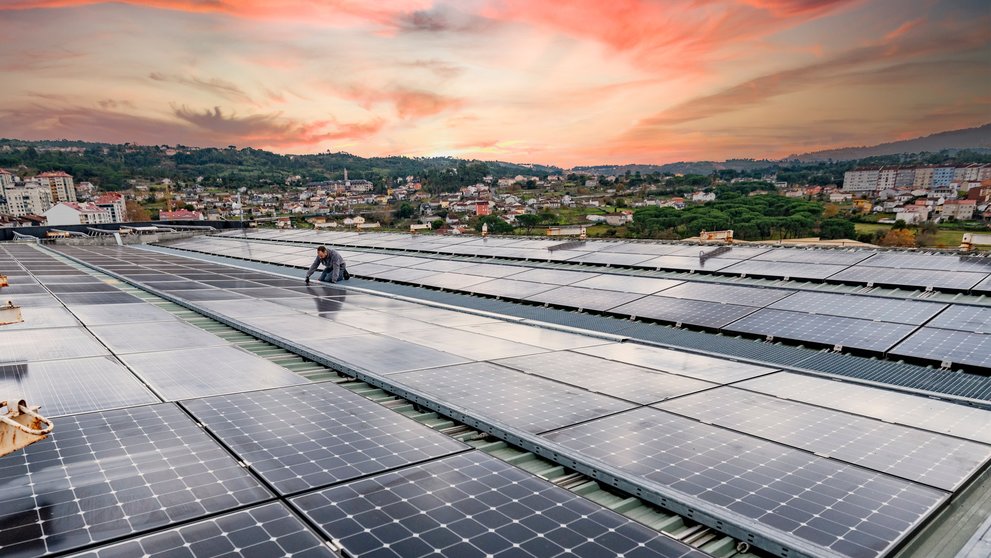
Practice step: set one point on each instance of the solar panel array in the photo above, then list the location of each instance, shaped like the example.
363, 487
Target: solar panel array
125, 474
849, 321
579, 409
865, 266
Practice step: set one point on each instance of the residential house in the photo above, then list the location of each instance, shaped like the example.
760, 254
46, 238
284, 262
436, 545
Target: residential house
77, 213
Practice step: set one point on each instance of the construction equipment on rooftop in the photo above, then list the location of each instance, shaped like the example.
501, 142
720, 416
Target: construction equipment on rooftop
3, 281
21, 426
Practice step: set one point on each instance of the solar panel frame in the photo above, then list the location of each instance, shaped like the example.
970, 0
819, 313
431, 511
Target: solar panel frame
29, 345
727, 294
627, 283
961, 317
684, 311
826, 330
947, 346
801, 496
939, 461
193, 373
925, 413
710, 369
65, 387
333, 435
511, 397
585, 299
104, 475
791, 270
155, 336
958, 280
608, 377
914, 312
473, 504
381, 355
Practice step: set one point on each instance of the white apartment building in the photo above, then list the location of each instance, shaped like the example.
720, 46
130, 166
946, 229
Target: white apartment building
28, 198
114, 203
72, 213
60, 184
887, 178
863, 180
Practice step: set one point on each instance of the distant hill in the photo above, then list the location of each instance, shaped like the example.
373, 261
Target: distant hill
970, 138
684, 167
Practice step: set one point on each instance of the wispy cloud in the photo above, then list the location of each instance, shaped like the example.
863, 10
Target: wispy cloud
220, 87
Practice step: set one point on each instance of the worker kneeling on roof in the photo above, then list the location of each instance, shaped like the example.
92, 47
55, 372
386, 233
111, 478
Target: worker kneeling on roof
334, 268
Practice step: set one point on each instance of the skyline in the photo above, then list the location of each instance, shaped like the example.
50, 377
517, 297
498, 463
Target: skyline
529, 82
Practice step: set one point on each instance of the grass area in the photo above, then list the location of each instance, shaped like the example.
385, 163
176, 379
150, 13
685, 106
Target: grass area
945, 238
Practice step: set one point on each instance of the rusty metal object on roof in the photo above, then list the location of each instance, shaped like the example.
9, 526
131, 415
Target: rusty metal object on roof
10, 314
21, 426
3, 281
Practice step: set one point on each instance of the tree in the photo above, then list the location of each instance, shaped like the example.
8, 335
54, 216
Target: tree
437, 224
837, 228
405, 211
898, 237
528, 221
135, 212
830, 211
496, 225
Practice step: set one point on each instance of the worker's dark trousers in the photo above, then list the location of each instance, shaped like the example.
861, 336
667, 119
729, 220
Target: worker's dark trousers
331, 274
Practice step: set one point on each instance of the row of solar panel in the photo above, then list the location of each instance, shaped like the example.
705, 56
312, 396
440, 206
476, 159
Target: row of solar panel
798, 495
137, 468
851, 321
847, 266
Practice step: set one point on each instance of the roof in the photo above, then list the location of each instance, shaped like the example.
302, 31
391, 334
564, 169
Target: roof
55, 174
109, 197
654, 422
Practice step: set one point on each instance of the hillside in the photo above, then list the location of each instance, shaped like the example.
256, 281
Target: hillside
969, 138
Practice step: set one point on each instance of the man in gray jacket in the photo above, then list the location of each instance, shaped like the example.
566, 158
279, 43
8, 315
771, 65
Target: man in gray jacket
334, 269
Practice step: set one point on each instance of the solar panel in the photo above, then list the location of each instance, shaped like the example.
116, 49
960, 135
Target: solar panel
332, 435
681, 311
827, 330
612, 258
687, 263
191, 373
959, 280
35, 301
473, 346
511, 397
890, 406
811, 500
436, 316
534, 335
585, 299
197, 295
935, 262
300, 326
267, 530
475, 505
914, 312
104, 475
86, 287
94, 314
920, 456
975, 319
510, 288
616, 379
729, 294
64, 387
99, 298
956, 347
676, 362
29, 345
154, 336
41, 317
984, 286
813, 256
783, 269
380, 354
554, 277
626, 283
15, 289
238, 309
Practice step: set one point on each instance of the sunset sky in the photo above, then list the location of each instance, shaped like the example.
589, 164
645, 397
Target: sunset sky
568, 83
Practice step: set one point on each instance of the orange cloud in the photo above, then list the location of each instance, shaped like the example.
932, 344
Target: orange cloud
409, 103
